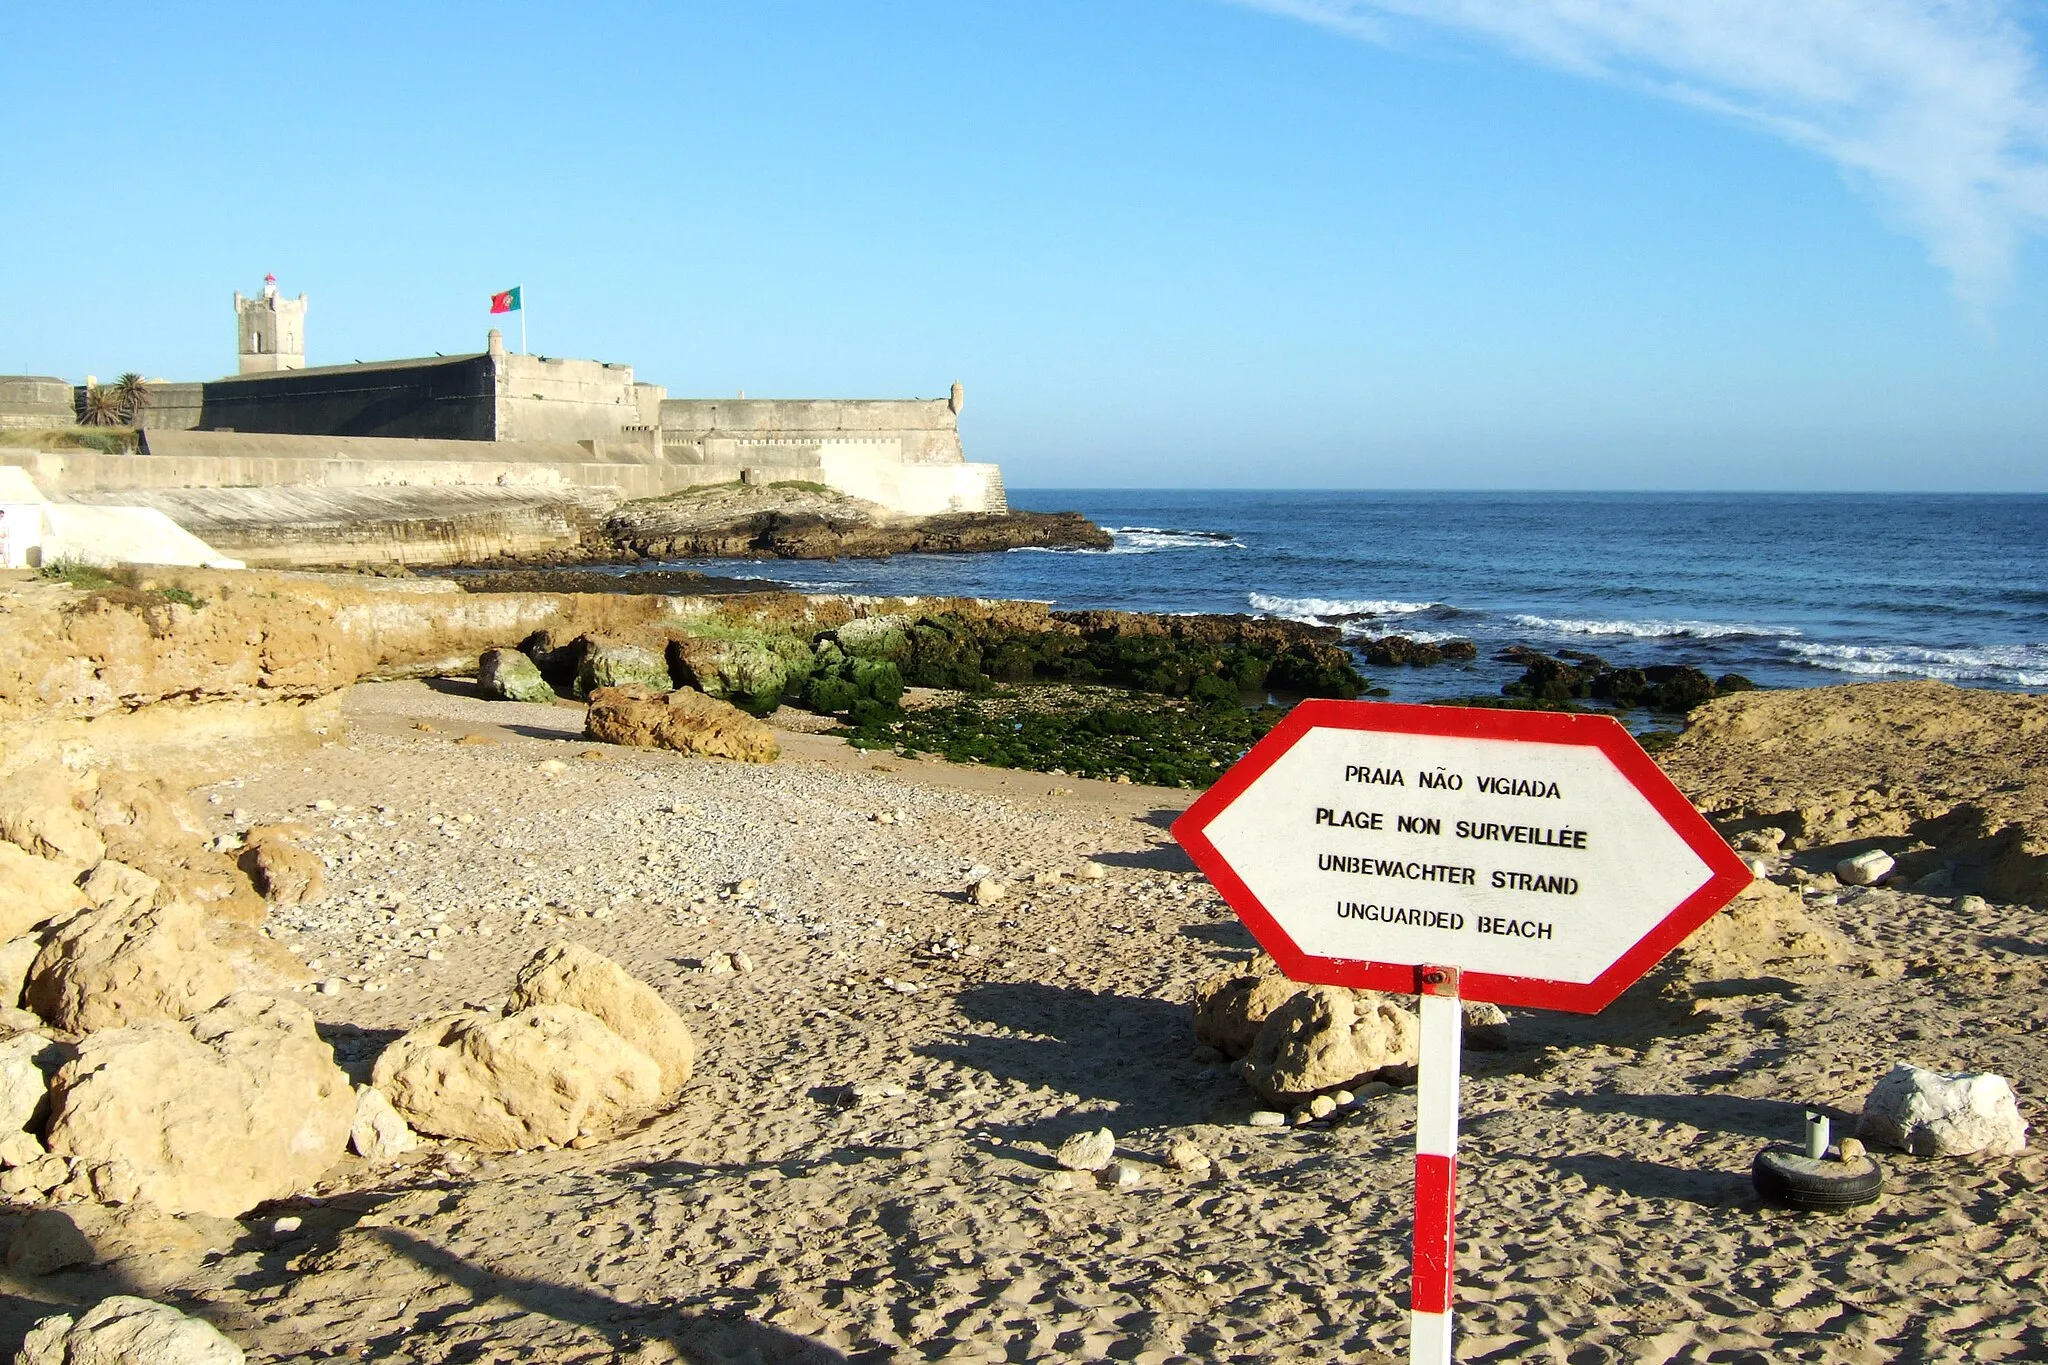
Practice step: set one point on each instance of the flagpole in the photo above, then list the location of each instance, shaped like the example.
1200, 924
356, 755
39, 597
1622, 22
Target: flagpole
522, 322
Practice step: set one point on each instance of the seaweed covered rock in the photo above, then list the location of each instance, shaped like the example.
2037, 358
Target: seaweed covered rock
1577, 677
1400, 651
686, 721
608, 663
862, 688
508, 675
753, 670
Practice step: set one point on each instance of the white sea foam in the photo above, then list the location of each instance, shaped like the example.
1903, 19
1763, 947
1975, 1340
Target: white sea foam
1649, 630
1140, 540
2013, 665
1317, 610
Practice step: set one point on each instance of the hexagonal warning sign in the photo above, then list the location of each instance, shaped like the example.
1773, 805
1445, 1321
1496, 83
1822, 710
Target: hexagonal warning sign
1544, 855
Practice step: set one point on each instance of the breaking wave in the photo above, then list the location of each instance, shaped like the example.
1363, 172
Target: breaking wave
2013, 665
1139, 540
1651, 630
1324, 610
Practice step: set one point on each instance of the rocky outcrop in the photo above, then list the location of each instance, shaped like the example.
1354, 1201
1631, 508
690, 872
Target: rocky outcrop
123, 1330
240, 1105
570, 974
541, 1076
686, 721
814, 522
102, 969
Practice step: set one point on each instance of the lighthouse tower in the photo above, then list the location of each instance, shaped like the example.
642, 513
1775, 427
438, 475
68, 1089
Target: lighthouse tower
270, 332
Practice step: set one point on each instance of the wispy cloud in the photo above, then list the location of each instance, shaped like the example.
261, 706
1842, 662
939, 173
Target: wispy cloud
1936, 106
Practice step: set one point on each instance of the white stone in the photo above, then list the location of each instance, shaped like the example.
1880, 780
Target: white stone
123, 1330
379, 1133
1865, 869
1934, 1113
1087, 1151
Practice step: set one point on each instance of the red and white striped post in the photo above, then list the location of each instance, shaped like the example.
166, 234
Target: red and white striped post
1436, 1165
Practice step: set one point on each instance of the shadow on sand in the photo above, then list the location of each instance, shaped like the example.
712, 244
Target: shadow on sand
1131, 1051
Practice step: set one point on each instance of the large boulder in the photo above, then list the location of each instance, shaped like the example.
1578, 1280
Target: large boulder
241, 1105
124, 1330
688, 722
34, 891
285, 873
1328, 1038
1233, 1005
570, 974
543, 1076
508, 675
103, 969
607, 663
1935, 1113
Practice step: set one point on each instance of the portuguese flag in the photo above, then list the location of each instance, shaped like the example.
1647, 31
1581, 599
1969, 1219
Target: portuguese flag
507, 302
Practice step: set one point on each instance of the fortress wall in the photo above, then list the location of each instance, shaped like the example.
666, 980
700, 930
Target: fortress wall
175, 407
447, 398
543, 399
34, 402
219, 459
927, 427
918, 490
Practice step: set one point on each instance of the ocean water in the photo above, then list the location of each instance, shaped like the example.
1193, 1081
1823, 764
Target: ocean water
1790, 590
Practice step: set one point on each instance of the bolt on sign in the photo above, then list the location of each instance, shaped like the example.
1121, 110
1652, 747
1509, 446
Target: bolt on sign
1526, 858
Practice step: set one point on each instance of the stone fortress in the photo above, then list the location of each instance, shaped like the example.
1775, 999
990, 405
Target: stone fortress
493, 418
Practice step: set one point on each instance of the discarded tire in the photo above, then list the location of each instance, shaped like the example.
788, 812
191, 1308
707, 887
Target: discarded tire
1788, 1176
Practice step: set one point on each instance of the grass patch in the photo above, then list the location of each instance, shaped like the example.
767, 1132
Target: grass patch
106, 440
801, 485
73, 573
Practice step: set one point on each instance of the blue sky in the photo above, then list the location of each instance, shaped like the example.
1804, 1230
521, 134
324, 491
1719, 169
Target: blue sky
1311, 243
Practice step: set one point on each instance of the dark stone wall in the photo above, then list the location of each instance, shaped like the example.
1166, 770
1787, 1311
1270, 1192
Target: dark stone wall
446, 399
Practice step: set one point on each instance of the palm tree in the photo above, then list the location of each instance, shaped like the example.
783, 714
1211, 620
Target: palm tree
131, 391
101, 408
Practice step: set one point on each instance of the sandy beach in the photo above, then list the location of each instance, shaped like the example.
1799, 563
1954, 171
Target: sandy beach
861, 1168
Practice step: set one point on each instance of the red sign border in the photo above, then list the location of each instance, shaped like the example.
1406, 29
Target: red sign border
1728, 873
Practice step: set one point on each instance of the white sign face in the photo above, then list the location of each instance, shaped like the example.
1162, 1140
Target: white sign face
1511, 857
